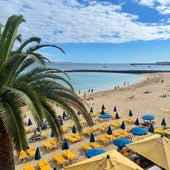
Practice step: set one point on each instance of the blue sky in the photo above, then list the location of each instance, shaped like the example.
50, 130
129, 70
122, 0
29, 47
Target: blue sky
104, 31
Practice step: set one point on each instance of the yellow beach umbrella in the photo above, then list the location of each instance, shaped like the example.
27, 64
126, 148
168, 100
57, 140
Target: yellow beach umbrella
111, 160
155, 148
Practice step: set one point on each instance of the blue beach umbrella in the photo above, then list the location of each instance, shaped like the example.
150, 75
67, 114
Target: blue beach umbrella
103, 107
105, 116
137, 122
29, 122
92, 139
91, 110
148, 117
64, 115
115, 109
122, 142
122, 126
37, 154
61, 121
151, 129
163, 123
39, 129
65, 145
78, 113
139, 131
53, 134
102, 112
74, 130
130, 113
117, 116
94, 152
109, 131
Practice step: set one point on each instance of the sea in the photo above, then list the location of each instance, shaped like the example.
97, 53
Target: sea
97, 76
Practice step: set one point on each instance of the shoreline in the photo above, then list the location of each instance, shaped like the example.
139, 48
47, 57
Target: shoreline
120, 71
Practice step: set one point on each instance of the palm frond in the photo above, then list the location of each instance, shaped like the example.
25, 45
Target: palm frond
52, 118
9, 35
27, 42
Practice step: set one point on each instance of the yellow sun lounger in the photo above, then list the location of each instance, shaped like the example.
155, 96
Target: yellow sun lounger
86, 146
49, 145
70, 155
54, 142
31, 152
44, 134
103, 139
29, 167
95, 145
59, 159
44, 165
23, 155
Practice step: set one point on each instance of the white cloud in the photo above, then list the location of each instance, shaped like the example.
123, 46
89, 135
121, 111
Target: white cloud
67, 21
162, 6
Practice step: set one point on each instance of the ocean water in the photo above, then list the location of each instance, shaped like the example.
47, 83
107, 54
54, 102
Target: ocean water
83, 81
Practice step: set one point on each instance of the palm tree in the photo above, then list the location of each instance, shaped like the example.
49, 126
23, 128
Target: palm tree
38, 89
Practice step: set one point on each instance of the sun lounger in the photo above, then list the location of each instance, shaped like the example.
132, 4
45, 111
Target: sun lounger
27, 129
70, 155
23, 155
103, 139
31, 152
86, 146
49, 145
44, 165
43, 135
28, 167
95, 145
54, 142
59, 159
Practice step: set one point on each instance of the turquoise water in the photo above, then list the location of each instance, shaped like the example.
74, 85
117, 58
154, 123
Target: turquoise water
84, 81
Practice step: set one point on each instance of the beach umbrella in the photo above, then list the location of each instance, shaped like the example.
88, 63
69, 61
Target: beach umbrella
92, 139
65, 145
74, 130
102, 112
139, 131
109, 131
137, 122
122, 126
37, 154
148, 117
29, 122
78, 113
103, 107
122, 142
111, 160
94, 152
64, 115
39, 129
156, 148
151, 129
130, 113
91, 110
163, 123
115, 109
61, 121
105, 116
53, 134
117, 116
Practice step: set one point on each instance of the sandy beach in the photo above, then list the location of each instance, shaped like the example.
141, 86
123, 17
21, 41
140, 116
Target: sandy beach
148, 96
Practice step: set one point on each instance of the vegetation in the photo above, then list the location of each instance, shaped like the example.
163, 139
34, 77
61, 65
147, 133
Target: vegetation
36, 89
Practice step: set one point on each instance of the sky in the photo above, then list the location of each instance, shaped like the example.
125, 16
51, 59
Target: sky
96, 31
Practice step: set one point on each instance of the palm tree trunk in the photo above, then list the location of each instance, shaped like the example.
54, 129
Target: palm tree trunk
6, 150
